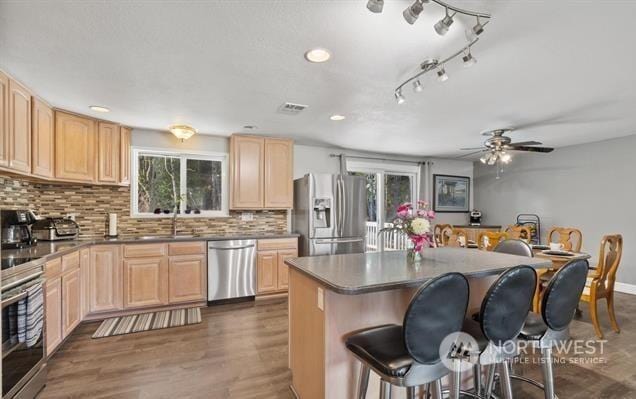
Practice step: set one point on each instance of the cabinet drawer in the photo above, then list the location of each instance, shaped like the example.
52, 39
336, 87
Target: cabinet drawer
53, 268
277, 243
144, 250
186, 248
70, 261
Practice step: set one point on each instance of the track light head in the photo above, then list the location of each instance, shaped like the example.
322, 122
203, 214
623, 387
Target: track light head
472, 33
375, 6
444, 24
468, 59
441, 74
417, 86
399, 97
412, 12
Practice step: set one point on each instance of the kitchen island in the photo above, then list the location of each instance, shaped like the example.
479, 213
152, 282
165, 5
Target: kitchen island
331, 296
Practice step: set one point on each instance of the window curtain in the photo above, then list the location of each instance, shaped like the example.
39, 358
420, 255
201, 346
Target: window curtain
426, 181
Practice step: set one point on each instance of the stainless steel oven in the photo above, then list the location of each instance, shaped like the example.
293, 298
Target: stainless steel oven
23, 365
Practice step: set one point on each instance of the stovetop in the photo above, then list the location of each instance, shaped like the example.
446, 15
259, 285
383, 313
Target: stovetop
8, 263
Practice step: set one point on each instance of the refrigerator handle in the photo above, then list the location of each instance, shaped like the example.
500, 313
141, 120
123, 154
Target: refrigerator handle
344, 206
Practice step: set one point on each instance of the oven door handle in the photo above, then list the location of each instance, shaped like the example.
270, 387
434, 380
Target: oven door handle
13, 299
22, 281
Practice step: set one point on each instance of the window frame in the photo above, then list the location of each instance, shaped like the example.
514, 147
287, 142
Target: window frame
183, 157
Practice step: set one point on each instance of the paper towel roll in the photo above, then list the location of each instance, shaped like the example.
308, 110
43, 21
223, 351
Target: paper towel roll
112, 224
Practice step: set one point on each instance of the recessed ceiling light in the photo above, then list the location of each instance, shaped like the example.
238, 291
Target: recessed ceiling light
99, 108
337, 117
317, 55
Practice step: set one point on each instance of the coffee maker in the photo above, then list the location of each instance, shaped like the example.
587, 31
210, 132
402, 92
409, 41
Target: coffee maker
15, 230
475, 218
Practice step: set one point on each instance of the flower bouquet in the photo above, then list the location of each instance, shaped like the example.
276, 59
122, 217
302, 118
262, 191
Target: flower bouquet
416, 224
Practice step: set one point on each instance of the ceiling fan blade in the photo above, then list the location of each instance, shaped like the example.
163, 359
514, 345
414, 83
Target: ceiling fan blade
525, 143
470, 154
471, 149
530, 149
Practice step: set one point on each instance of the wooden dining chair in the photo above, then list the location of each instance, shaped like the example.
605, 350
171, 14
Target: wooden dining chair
600, 281
571, 238
494, 237
440, 231
455, 238
519, 232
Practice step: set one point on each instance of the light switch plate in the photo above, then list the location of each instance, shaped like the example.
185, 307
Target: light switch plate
247, 216
321, 299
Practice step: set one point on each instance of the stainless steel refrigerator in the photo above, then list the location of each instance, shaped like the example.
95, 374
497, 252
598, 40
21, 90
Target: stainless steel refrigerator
330, 214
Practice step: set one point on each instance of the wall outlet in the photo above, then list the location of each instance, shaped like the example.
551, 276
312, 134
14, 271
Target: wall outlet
247, 216
321, 299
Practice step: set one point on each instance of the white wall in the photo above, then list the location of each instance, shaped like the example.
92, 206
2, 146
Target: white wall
590, 187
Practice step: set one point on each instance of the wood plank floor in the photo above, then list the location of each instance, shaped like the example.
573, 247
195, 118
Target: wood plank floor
240, 351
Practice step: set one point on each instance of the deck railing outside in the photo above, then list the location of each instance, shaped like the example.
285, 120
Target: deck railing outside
393, 240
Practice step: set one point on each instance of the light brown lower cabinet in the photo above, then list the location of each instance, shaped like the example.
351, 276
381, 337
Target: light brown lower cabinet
53, 316
267, 271
145, 282
105, 274
283, 270
271, 271
85, 264
188, 278
71, 301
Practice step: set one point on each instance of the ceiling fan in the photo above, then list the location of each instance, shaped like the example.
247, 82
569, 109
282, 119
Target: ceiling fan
498, 144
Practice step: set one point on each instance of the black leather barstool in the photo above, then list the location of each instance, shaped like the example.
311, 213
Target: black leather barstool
514, 247
502, 315
407, 355
558, 304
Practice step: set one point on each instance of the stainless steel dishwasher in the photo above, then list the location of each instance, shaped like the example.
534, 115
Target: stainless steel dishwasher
231, 269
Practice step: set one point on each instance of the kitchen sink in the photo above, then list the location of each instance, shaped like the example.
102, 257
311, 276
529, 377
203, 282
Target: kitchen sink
163, 237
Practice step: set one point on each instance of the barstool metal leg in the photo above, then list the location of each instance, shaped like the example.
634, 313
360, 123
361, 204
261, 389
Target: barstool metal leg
456, 378
490, 382
363, 382
437, 389
506, 385
410, 393
385, 390
548, 373
477, 378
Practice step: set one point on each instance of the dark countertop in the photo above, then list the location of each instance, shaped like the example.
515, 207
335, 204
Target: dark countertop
481, 226
46, 250
379, 271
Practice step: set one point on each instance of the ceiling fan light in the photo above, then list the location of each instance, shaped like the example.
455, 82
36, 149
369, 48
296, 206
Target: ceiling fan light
375, 6
444, 24
505, 157
417, 86
399, 97
412, 12
441, 75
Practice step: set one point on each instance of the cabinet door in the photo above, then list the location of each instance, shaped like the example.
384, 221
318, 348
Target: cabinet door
105, 279
246, 172
279, 173
187, 278
283, 271
4, 120
42, 140
71, 306
124, 156
108, 148
53, 318
145, 282
85, 262
75, 147
19, 127
267, 271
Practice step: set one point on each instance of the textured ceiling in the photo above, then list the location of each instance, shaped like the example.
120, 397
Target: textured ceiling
563, 69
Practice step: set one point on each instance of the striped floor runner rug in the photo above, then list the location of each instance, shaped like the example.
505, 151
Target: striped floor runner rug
148, 321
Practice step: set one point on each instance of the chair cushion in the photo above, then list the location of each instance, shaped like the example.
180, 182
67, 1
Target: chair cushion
534, 328
473, 328
382, 348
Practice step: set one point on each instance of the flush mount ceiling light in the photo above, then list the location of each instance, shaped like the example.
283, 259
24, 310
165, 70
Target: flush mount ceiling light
375, 6
337, 117
317, 55
99, 108
182, 132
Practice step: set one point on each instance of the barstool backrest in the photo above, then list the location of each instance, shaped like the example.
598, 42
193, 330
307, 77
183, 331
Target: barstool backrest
507, 303
437, 309
563, 293
514, 247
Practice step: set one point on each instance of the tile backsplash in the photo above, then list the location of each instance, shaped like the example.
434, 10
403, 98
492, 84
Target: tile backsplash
91, 205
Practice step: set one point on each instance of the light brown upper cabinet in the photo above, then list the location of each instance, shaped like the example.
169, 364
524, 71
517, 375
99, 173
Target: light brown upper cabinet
4, 120
42, 144
108, 148
75, 147
124, 156
19, 127
261, 173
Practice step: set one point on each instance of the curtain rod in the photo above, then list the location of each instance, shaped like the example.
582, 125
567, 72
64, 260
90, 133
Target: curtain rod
379, 159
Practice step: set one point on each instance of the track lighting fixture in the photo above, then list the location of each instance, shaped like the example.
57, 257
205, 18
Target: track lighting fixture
472, 33
399, 97
375, 6
417, 86
412, 12
468, 59
444, 24
441, 74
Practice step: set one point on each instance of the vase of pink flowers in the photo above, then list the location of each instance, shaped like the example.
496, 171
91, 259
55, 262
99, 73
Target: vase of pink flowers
415, 222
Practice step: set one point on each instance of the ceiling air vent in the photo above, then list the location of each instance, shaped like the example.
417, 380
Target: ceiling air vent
291, 108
